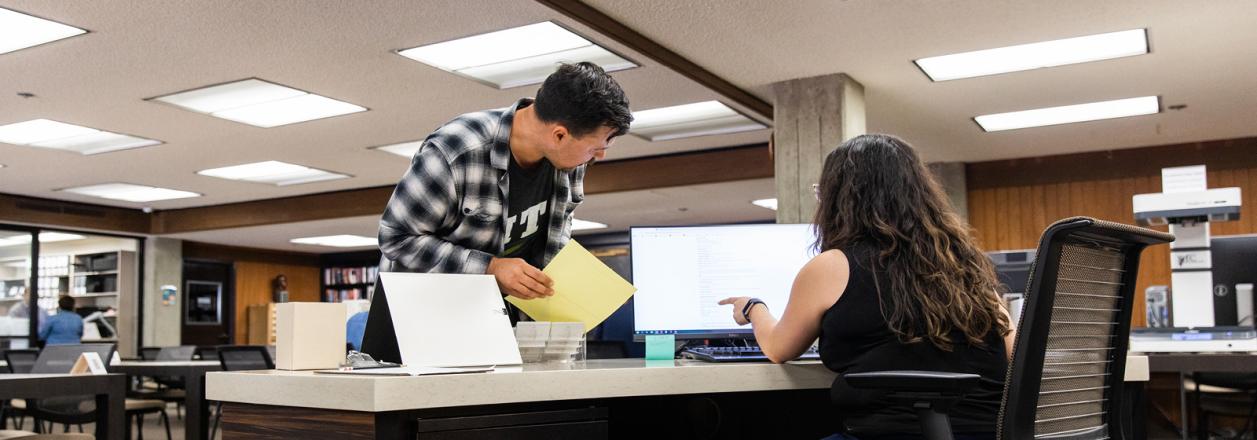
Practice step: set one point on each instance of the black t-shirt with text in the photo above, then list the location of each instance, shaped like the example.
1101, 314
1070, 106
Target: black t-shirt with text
528, 219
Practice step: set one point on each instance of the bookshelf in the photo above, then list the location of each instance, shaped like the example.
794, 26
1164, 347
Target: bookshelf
349, 276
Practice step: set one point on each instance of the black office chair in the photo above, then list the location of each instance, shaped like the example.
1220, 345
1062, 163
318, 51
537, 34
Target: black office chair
240, 358
1067, 373
168, 388
149, 353
21, 360
1236, 398
206, 353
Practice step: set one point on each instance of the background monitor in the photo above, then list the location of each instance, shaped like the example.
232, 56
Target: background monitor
1234, 262
682, 272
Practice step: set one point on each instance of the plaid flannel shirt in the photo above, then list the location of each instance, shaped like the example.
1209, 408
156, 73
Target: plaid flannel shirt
448, 213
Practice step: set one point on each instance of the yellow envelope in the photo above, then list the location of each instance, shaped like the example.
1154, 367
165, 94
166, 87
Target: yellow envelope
585, 289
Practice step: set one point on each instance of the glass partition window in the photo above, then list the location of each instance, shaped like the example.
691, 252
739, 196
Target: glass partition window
15, 277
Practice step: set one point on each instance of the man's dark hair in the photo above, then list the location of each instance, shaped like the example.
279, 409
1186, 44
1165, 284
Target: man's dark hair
65, 303
583, 97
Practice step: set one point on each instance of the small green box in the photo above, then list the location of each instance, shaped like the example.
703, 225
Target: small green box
660, 347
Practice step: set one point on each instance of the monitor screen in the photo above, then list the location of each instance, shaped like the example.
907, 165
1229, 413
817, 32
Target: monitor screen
682, 272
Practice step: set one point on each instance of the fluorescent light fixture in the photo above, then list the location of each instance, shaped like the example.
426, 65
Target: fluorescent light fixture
44, 237
1036, 55
338, 241
689, 120
404, 149
517, 56
259, 103
582, 225
131, 192
273, 172
1094, 111
766, 203
20, 31
44, 133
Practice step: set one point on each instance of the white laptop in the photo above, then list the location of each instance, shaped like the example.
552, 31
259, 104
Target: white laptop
450, 320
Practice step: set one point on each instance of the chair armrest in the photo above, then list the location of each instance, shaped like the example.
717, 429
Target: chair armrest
914, 381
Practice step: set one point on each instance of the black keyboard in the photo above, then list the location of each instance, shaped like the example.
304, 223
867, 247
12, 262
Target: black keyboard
736, 354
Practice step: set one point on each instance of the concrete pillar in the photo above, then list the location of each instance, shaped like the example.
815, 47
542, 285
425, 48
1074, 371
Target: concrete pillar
951, 175
811, 116
163, 266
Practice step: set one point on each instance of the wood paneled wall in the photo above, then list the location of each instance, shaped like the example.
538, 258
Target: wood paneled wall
1011, 202
253, 286
255, 268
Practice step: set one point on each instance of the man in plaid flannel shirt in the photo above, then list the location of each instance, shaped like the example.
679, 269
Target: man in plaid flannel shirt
492, 192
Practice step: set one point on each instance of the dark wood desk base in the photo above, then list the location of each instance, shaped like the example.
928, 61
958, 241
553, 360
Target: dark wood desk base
770, 414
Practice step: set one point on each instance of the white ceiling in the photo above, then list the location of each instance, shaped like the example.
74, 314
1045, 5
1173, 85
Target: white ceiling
344, 50
1201, 56
683, 205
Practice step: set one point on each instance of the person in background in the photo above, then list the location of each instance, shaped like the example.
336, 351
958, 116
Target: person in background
66, 327
899, 284
355, 327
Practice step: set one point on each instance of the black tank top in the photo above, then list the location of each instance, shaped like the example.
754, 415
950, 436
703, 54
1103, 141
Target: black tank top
856, 338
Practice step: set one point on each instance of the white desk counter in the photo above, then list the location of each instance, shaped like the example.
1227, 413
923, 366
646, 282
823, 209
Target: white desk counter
530, 383
631, 398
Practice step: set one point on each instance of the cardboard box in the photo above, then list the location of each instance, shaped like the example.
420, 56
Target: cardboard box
309, 336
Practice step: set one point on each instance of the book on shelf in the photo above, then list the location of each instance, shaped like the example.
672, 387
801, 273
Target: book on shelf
341, 295
350, 275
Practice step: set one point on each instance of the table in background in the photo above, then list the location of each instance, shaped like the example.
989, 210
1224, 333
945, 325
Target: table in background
110, 391
196, 421
1187, 363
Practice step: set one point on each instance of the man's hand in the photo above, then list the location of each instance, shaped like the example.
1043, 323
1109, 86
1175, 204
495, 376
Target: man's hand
519, 279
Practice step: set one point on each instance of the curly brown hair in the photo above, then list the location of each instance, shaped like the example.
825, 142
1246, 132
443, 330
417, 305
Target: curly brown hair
874, 190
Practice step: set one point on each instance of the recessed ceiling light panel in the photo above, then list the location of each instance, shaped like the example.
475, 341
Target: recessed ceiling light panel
342, 240
131, 192
259, 103
44, 133
1093, 111
1036, 55
272, 172
690, 120
20, 31
404, 149
515, 57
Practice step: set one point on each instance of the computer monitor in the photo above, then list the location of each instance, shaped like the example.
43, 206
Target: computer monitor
1234, 261
682, 272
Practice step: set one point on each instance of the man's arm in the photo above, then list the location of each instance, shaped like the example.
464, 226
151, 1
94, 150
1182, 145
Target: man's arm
419, 206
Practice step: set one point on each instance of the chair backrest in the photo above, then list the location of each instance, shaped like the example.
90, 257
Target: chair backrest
1066, 378
149, 353
21, 360
245, 357
180, 353
207, 352
59, 359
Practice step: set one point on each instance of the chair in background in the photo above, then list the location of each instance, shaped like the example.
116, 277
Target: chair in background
169, 388
206, 353
1225, 394
20, 362
77, 410
149, 353
1067, 374
240, 358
